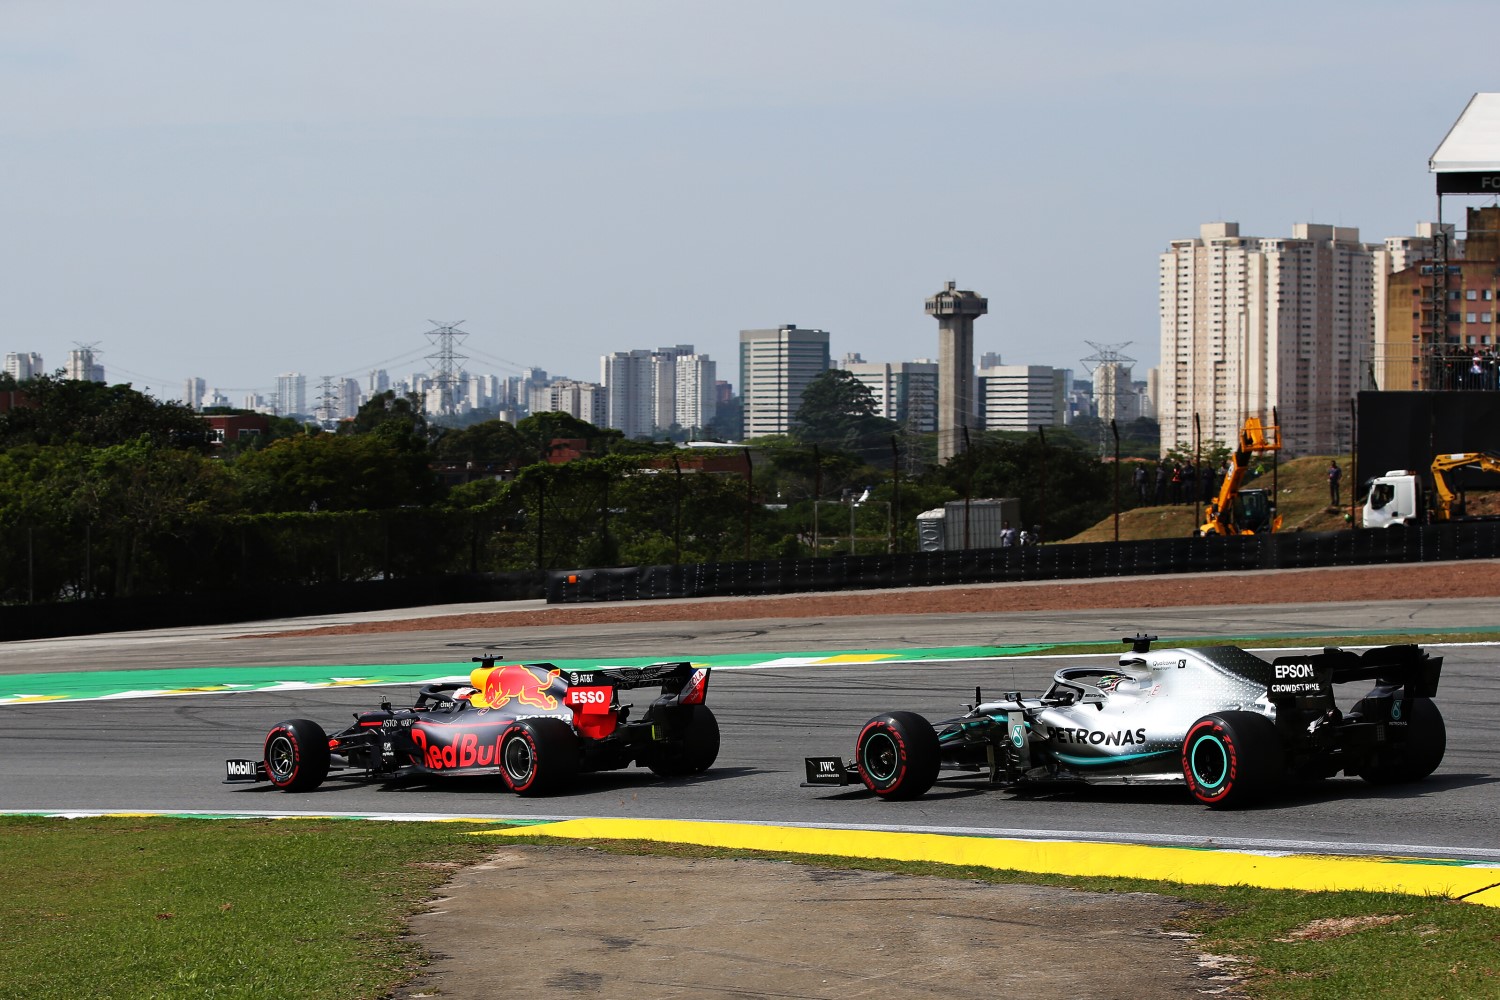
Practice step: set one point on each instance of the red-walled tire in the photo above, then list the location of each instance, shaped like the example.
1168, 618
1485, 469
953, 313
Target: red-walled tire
897, 755
1232, 759
538, 756
296, 755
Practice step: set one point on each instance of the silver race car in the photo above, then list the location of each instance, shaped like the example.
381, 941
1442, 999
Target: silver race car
1228, 724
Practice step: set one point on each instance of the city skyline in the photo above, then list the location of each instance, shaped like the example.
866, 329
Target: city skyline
230, 193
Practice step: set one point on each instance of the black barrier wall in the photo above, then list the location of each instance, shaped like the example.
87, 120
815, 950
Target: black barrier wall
123, 614
1049, 562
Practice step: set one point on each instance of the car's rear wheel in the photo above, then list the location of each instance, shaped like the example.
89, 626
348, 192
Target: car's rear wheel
1232, 759
1415, 757
538, 756
296, 755
698, 747
897, 755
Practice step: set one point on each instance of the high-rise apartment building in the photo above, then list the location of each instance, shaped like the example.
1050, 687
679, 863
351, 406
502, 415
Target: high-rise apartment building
1115, 395
291, 394
640, 386
775, 367
1023, 397
350, 398
82, 366
24, 366
695, 390
587, 401
1249, 324
193, 390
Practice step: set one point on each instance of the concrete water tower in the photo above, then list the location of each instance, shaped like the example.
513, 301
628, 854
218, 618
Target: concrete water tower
955, 311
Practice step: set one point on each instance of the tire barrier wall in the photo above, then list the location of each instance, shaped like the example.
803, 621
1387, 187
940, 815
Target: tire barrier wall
122, 614
1296, 550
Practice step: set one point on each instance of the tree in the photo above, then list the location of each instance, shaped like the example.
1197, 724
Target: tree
491, 444
539, 430
56, 410
838, 412
398, 419
335, 472
1076, 490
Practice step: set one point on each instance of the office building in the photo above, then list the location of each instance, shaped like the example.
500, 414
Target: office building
775, 367
1023, 397
904, 391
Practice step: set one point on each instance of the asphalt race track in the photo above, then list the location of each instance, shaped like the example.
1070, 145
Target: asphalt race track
167, 754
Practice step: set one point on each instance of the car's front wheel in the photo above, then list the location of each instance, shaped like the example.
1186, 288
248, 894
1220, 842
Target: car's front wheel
296, 755
897, 755
538, 756
1232, 759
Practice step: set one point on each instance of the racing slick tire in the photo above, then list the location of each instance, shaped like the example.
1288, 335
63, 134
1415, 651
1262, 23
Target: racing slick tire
1232, 759
897, 755
1414, 758
296, 755
538, 756
699, 749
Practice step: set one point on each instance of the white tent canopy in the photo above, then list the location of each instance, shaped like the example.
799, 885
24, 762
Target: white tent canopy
1473, 143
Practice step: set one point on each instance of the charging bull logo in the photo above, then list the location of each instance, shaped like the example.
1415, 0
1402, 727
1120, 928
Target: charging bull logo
515, 680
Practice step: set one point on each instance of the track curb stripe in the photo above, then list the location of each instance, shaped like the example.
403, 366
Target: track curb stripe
1308, 873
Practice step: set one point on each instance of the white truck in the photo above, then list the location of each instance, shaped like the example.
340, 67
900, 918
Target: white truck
1400, 497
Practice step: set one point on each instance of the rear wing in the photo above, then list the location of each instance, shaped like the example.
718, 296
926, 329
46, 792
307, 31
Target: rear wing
1404, 666
671, 677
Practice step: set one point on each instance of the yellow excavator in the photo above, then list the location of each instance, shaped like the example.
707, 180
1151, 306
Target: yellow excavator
1397, 498
1237, 511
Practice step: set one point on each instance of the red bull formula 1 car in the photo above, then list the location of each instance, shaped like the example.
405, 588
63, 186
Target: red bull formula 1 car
1231, 726
534, 725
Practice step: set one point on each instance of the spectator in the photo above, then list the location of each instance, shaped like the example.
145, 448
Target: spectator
1334, 475
1176, 484
1161, 481
1139, 477
1007, 535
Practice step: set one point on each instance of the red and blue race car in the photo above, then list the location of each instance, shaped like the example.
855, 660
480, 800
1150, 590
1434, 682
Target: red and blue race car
533, 724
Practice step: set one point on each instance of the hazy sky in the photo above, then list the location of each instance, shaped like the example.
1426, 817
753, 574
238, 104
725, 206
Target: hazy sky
235, 189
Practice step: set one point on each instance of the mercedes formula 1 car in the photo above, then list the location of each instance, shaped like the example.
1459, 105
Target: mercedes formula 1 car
531, 723
1225, 722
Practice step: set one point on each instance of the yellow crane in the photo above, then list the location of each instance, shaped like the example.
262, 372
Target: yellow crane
1237, 511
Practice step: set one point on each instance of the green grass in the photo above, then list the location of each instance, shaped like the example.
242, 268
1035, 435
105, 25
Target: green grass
158, 908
